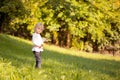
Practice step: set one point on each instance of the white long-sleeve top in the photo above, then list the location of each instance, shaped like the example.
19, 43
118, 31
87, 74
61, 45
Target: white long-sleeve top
38, 41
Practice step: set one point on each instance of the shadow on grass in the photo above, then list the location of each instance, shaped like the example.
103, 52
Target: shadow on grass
16, 51
20, 54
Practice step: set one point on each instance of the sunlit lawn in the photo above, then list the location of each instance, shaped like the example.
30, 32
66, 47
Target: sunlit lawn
17, 63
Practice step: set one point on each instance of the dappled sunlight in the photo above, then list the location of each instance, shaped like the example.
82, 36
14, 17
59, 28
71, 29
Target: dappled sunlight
82, 40
78, 53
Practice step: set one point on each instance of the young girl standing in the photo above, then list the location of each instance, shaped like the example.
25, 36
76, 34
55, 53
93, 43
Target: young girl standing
37, 43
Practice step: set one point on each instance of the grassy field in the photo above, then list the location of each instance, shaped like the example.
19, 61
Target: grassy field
17, 63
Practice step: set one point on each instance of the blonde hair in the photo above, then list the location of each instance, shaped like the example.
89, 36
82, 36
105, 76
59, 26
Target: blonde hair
39, 25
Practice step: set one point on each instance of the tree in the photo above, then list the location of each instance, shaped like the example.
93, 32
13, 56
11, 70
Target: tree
88, 25
9, 12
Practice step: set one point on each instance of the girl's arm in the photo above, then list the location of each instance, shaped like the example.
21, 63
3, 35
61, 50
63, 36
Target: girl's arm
38, 46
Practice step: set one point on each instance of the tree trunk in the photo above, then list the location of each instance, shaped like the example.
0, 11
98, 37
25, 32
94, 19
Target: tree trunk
3, 24
0, 29
4, 21
55, 38
68, 39
95, 46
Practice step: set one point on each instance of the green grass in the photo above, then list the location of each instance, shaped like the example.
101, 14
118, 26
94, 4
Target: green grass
17, 63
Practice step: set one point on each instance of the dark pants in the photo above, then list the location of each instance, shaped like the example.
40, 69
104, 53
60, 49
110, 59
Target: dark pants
38, 59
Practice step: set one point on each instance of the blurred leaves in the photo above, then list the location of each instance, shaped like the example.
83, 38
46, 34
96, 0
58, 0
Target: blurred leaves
94, 21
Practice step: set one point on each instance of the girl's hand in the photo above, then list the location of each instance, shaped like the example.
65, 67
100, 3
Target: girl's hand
38, 46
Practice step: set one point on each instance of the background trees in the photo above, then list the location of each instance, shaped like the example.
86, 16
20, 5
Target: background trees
85, 24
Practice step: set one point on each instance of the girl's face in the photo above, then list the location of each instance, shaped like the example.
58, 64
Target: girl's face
38, 29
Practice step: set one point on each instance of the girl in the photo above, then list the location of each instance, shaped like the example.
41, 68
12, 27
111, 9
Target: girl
37, 43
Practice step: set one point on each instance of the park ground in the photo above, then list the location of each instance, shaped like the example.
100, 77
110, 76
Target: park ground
17, 63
